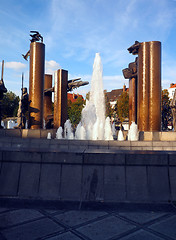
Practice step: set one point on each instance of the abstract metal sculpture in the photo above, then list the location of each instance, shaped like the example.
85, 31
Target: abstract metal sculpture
131, 74
148, 84
36, 81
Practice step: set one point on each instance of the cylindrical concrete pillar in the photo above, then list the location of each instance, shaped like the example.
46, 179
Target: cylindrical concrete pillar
143, 87
155, 86
60, 97
36, 84
132, 100
47, 106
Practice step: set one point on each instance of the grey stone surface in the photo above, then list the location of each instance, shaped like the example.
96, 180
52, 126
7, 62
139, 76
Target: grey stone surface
44, 133
50, 181
166, 227
124, 222
74, 218
33, 230
71, 182
114, 144
9, 178
106, 228
65, 236
136, 183
92, 183
142, 235
141, 143
142, 217
172, 159
21, 156
114, 184
172, 176
97, 144
33, 133
62, 157
13, 132
18, 216
29, 180
147, 158
158, 184
99, 158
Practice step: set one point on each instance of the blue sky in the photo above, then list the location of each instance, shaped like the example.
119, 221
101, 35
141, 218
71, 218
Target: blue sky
74, 30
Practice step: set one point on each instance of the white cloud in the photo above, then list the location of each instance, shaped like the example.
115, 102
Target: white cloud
17, 66
51, 66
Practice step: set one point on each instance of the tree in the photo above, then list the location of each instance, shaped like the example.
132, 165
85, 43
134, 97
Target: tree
122, 106
74, 111
109, 110
165, 109
9, 105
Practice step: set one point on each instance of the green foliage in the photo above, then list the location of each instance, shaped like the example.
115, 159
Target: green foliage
122, 106
9, 105
109, 110
74, 111
166, 109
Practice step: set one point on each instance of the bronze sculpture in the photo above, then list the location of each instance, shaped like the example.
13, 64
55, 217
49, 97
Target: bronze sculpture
148, 84
131, 74
22, 110
3, 90
36, 81
173, 108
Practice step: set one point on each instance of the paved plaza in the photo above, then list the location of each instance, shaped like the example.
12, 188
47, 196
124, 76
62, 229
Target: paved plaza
124, 223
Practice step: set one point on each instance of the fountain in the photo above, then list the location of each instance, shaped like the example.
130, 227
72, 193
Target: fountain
94, 125
59, 133
133, 133
120, 136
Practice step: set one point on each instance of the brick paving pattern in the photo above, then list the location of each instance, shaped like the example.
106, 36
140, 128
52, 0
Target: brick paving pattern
56, 224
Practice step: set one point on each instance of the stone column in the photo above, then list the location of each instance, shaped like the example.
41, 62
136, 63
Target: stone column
60, 97
36, 84
47, 97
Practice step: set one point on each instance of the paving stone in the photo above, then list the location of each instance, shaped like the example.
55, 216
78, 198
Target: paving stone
29, 180
71, 182
74, 218
141, 234
9, 178
92, 188
158, 183
65, 236
142, 217
50, 181
114, 183
106, 228
18, 216
33, 230
167, 227
136, 183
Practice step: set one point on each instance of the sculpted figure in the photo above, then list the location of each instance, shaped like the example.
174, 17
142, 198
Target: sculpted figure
23, 108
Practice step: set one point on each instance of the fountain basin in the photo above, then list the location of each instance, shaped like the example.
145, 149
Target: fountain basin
86, 171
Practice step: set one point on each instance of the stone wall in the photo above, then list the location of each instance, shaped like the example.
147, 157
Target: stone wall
87, 175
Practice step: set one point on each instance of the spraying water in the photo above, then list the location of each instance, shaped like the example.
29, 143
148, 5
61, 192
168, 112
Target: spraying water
133, 133
59, 133
93, 123
120, 136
